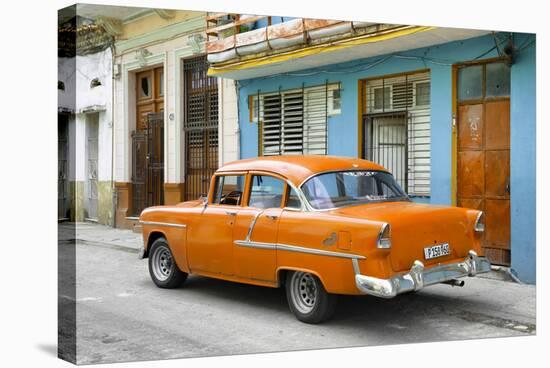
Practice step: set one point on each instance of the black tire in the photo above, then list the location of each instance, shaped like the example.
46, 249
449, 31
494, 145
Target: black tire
308, 299
162, 267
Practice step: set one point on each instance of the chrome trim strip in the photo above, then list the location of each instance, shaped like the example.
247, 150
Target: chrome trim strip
296, 248
169, 224
250, 244
252, 224
321, 252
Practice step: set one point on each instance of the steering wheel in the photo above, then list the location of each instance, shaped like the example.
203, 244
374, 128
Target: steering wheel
232, 198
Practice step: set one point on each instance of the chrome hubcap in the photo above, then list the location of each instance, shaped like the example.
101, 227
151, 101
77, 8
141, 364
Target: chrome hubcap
162, 263
303, 291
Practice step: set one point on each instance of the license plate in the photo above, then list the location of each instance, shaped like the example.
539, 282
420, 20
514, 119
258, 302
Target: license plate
436, 251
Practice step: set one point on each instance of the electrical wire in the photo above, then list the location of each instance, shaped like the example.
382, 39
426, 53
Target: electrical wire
424, 59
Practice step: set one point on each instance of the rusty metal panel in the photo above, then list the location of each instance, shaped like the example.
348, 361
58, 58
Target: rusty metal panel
220, 45
251, 37
497, 116
470, 126
483, 173
471, 174
311, 24
497, 174
286, 29
497, 223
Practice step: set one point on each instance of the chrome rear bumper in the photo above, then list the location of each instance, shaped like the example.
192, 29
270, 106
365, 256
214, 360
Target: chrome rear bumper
419, 277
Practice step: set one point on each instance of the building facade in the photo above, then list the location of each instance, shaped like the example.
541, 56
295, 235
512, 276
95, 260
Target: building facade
85, 124
450, 112
173, 124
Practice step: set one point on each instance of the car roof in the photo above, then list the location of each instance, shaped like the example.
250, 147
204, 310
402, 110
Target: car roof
298, 168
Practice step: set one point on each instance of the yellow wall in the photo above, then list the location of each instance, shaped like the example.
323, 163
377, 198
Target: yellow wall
153, 21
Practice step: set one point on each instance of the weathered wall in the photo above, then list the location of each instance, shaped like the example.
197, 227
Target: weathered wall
88, 101
343, 128
228, 120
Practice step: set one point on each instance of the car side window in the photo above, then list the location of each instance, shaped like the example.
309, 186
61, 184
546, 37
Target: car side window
266, 192
293, 200
228, 190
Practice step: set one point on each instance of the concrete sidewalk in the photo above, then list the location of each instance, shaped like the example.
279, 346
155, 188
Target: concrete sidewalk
95, 233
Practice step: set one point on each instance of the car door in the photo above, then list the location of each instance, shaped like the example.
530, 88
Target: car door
211, 245
256, 226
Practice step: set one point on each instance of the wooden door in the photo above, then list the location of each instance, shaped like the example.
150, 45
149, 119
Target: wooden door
149, 94
148, 141
483, 160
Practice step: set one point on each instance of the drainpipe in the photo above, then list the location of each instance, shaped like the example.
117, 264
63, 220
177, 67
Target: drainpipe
221, 119
114, 193
238, 131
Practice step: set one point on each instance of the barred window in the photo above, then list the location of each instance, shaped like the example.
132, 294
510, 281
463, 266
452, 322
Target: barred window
396, 132
295, 121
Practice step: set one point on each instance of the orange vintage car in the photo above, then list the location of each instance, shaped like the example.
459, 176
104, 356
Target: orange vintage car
318, 226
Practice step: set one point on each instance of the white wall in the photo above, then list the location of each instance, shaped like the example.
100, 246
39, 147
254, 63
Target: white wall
229, 121
87, 100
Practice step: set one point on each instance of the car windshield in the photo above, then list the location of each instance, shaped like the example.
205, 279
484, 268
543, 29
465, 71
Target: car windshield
344, 188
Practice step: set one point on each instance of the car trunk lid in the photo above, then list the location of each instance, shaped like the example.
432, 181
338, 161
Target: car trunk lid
417, 226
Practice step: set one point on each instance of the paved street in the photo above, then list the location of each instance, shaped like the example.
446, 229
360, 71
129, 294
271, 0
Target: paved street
122, 316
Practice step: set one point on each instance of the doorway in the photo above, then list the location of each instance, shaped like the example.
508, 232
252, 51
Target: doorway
62, 167
148, 141
92, 134
483, 151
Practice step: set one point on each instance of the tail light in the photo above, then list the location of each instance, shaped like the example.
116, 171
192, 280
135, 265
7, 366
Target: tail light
384, 237
480, 222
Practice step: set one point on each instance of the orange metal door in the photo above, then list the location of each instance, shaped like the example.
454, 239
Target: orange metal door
210, 247
483, 173
256, 263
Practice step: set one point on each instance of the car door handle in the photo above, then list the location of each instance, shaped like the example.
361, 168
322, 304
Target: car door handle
272, 217
230, 213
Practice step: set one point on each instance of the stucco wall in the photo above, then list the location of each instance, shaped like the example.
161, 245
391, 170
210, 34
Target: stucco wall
228, 120
343, 128
523, 162
85, 100
169, 54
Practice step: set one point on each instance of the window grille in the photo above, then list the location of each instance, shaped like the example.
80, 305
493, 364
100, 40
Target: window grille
396, 121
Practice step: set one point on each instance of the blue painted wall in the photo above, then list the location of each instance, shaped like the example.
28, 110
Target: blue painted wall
523, 161
343, 128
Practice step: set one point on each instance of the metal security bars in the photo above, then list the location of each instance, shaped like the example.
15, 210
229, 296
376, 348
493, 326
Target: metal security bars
396, 123
294, 122
200, 126
148, 164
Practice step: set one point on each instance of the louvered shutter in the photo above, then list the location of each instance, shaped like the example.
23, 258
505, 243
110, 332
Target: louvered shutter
270, 112
390, 98
293, 123
315, 120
